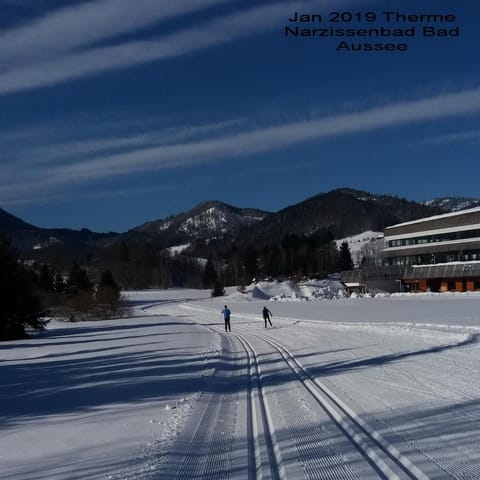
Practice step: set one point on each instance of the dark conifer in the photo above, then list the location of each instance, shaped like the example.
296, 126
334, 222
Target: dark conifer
218, 290
20, 308
345, 258
78, 280
108, 295
209, 276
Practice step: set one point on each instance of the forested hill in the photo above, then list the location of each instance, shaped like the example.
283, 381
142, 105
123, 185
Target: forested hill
27, 237
342, 212
20, 233
207, 220
9, 222
339, 213
240, 244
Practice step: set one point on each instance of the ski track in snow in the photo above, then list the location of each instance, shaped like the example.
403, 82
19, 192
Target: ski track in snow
384, 459
303, 400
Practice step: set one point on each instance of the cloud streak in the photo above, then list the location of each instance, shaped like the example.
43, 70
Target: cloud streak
70, 151
57, 68
276, 137
469, 136
80, 25
246, 143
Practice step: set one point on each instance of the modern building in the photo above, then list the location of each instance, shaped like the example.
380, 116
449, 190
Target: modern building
440, 253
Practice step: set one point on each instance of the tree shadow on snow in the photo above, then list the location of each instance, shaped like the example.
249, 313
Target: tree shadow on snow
55, 385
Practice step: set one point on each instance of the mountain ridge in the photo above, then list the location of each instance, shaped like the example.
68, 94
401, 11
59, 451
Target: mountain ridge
453, 204
208, 219
342, 212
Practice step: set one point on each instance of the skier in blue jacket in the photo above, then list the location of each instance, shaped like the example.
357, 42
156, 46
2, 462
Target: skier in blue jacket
226, 316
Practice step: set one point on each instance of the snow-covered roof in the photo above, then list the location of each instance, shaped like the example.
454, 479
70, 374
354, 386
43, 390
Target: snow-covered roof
452, 270
435, 217
466, 263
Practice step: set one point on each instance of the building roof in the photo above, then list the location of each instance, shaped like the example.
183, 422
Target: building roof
443, 270
436, 217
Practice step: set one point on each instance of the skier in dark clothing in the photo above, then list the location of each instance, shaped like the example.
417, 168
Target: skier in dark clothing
226, 316
266, 316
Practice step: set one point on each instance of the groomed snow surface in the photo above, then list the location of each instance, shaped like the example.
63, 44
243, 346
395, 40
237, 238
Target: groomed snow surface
345, 388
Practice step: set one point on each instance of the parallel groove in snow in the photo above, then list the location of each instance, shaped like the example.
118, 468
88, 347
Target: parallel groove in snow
277, 469
254, 459
314, 448
423, 446
360, 433
208, 455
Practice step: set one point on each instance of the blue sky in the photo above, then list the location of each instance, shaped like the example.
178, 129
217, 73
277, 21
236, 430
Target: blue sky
118, 112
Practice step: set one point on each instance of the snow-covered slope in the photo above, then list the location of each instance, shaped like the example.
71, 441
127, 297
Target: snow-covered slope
367, 244
216, 220
362, 388
453, 204
207, 220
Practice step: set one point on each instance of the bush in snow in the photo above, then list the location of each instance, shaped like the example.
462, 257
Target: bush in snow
218, 290
84, 301
108, 299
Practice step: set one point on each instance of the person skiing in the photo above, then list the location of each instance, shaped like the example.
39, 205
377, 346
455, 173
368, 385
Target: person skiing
226, 316
266, 316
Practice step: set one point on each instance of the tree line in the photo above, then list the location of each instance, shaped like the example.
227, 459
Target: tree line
297, 256
138, 265
32, 293
90, 289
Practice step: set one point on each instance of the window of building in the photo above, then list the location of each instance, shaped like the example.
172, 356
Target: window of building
440, 237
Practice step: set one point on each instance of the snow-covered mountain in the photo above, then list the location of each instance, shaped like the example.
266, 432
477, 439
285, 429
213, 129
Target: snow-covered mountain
453, 204
207, 220
342, 212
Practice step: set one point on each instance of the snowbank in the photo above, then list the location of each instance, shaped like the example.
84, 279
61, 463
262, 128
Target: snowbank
292, 291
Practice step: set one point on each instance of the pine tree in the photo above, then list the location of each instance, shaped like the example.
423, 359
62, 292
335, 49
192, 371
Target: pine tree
108, 295
209, 276
345, 258
250, 262
78, 280
79, 288
59, 284
20, 308
47, 278
218, 290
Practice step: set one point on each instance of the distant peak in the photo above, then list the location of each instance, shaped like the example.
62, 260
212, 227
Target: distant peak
10, 222
352, 192
453, 204
212, 204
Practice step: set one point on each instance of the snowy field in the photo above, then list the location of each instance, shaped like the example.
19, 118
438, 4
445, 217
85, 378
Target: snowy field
338, 389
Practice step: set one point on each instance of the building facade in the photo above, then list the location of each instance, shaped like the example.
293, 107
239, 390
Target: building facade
440, 253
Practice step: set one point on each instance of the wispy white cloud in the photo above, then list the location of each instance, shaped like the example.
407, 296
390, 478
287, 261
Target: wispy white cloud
84, 24
63, 67
67, 197
230, 146
468, 136
281, 136
69, 151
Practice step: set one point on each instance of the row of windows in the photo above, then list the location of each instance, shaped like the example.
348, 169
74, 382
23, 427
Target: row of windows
451, 285
439, 237
432, 258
